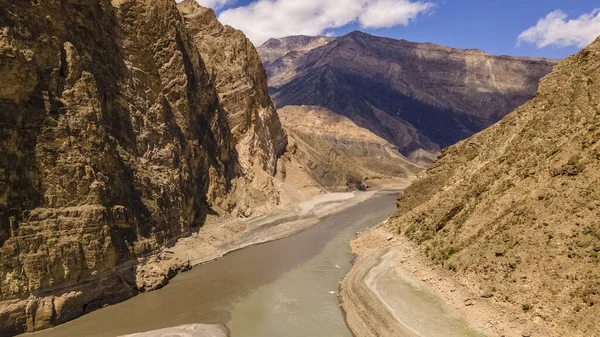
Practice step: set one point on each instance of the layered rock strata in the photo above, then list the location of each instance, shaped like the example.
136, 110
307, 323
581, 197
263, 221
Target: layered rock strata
420, 97
117, 138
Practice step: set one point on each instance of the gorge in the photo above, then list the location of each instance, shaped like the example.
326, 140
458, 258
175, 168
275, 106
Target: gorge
141, 139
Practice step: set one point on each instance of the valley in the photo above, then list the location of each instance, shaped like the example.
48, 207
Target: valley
166, 174
293, 295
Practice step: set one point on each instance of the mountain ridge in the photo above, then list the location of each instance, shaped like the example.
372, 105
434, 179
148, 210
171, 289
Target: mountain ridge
400, 89
338, 154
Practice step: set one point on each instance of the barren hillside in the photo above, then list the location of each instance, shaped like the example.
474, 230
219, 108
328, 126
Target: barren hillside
514, 209
336, 153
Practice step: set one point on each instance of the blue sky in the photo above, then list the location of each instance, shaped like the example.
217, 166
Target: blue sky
491, 25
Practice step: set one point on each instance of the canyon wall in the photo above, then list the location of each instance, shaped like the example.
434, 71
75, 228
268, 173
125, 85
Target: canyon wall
118, 137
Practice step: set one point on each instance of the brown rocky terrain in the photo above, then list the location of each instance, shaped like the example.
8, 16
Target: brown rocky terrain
120, 129
279, 56
337, 154
513, 211
419, 96
275, 49
241, 84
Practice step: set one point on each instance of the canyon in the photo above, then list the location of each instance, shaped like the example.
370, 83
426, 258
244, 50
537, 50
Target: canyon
130, 125
143, 138
117, 140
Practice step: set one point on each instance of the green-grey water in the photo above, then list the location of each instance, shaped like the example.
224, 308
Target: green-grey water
282, 288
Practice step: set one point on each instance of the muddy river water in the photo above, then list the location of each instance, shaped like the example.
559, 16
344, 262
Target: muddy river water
286, 287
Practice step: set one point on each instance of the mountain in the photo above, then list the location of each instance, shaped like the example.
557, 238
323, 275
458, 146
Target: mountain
280, 55
122, 128
241, 84
514, 209
335, 153
275, 49
419, 96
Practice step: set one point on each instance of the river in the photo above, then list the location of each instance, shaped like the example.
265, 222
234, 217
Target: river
286, 287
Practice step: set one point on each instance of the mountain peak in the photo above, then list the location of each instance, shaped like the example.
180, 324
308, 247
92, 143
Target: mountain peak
418, 96
274, 49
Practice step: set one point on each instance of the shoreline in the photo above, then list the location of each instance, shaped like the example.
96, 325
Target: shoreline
368, 313
189, 330
223, 236
219, 236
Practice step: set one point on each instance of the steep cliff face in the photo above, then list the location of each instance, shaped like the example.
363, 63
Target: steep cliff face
514, 210
242, 87
114, 141
420, 97
241, 83
336, 153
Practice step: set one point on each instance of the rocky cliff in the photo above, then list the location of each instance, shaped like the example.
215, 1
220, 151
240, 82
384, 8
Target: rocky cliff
514, 210
241, 84
118, 134
419, 96
332, 151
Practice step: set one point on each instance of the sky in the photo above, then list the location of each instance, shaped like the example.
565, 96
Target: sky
544, 28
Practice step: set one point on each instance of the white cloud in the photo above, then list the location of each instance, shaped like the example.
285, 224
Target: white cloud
389, 13
264, 19
555, 29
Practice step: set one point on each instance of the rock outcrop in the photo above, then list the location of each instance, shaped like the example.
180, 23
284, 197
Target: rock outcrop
420, 97
336, 153
118, 135
241, 83
514, 210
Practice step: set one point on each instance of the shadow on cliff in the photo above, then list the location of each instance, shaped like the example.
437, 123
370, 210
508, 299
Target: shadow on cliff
81, 172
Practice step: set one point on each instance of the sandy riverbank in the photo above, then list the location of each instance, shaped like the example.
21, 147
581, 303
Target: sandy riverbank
221, 235
190, 330
374, 307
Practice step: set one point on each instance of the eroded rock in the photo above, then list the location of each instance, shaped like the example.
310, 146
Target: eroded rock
117, 138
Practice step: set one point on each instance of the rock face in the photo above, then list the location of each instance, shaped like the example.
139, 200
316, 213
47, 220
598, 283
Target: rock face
420, 97
279, 56
242, 87
514, 210
241, 84
336, 153
117, 135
